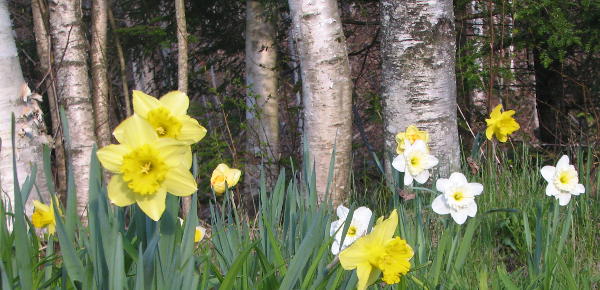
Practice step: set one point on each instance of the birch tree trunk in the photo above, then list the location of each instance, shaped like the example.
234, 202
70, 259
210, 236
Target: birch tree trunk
39, 12
30, 136
262, 113
419, 86
326, 90
182, 68
73, 90
99, 73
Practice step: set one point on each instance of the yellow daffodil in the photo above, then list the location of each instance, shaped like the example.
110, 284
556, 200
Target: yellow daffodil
168, 116
43, 216
223, 177
501, 124
146, 167
378, 252
412, 134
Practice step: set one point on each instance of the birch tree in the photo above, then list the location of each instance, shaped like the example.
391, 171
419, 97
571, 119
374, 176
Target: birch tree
99, 74
30, 136
73, 90
326, 90
262, 113
182, 67
39, 11
419, 87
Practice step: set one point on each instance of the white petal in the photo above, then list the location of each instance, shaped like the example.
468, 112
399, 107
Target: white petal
362, 215
335, 247
475, 188
342, 212
439, 206
579, 189
563, 162
422, 177
459, 217
419, 145
471, 210
563, 199
399, 163
548, 172
333, 228
431, 161
441, 184
458, 178
408, 179
551, 190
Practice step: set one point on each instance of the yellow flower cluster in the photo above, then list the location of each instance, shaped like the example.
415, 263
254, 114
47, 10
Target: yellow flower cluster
153, 156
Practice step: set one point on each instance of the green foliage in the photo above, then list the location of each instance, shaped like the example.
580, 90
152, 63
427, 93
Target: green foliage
519, 239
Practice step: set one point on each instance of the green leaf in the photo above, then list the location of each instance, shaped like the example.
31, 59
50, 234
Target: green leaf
231, 276
465, 244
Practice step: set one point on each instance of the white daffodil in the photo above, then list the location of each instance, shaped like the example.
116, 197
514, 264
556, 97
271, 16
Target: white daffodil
563, 181
358, 227
415, 162
457, 198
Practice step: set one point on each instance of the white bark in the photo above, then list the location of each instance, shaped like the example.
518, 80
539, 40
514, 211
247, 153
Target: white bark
419, 87
99, 72
73, 88
326, 89
30, 134
262, 113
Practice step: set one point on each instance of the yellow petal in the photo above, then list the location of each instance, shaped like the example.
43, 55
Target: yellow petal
221, 169
496, 112
502, 137
111, 156
118, 192
40, 206
489, 132
191, 131
153, 205
142, 103
52, 228
135, 131
232, 176
199, 234
172, 152
177, 102
218, 187
180, 182
355, 255
186, 160
385, 229
364, 272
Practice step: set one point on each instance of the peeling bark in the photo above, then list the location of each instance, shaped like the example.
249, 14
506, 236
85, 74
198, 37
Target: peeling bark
326, 90
419, 83
73, 90
262, 113
30, 131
